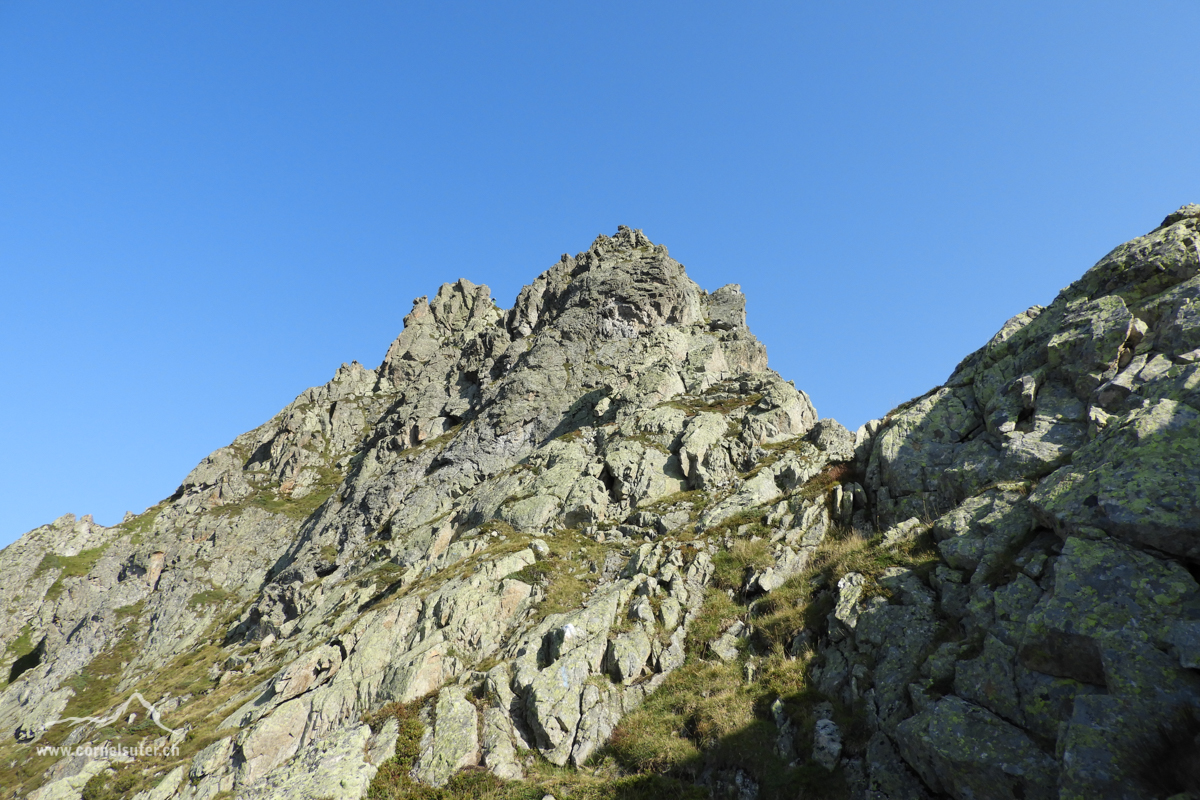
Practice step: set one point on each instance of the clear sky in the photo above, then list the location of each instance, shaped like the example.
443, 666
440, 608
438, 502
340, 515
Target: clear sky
207, 207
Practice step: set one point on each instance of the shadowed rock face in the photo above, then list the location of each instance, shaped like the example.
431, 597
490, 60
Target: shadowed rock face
516, 524
1064, 461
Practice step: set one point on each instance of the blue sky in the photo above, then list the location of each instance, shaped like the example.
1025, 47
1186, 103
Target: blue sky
205, 208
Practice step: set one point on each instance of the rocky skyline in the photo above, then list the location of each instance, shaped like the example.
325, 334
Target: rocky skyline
594, 546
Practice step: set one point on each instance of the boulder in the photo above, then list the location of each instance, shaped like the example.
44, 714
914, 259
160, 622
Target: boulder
453, 742
968, 752
1137, 481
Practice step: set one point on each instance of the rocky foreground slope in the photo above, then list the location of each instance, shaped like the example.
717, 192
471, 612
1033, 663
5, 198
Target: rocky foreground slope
593, 546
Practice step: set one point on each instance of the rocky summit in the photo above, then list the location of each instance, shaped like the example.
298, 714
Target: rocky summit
593, 547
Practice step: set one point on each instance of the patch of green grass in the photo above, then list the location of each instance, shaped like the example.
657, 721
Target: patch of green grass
824, 482
648, 440
756, 518
564, 592
296, 508
75, 566
805, 600
513, 499
94, 684
386, 573
22, 769
697, 498
142, 524
436, 441
707, 716
271, 502
214, 596
132, 611
708, 402
24, 656
393, 782
556, 574
534, 574
694, 708
497, 526
731, 566
102, 786
23, 644
717, 613
269, 499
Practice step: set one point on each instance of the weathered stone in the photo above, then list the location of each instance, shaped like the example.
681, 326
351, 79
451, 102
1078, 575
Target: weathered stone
213, 759
330, 767
167, 787
844, 616
600, 711
454, 741
827, 744
967, 752
1047, 702
272, 741
833, 439
907, 587
1137, 480
1102, 590
903, 532
889, 778
308, 671
499, 753
897, 637
785, 742
382, 745
531, 513
988, 680
627, 656
1106, 742
1184, 639
725, 646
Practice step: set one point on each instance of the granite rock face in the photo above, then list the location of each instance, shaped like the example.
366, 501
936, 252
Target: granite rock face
1058, 467
513, 526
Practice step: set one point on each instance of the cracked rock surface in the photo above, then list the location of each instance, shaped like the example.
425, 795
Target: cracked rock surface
519, 527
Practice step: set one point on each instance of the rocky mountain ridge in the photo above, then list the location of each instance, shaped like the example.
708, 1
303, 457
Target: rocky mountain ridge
593, 545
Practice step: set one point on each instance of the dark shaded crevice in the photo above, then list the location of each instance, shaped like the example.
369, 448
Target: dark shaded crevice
27, 662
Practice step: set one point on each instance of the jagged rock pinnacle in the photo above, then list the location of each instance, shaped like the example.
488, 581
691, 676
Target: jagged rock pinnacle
525, 522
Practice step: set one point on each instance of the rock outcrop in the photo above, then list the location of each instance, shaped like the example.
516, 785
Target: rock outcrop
559, 528
1060, 468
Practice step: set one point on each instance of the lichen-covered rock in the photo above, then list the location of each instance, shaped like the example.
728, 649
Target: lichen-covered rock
453, 741
988, 680
888, 777
967, 752
499, 752
331, 767
71, 786
1076, 644
827, 743
627, 656
1138, 480
272, 741
1104, 592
